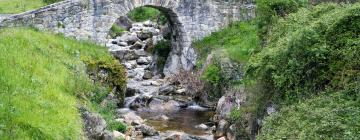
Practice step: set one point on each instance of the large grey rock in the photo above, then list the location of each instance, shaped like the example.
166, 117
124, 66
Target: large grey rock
94, 125
124, 22
131, 118
128, 38
143, 61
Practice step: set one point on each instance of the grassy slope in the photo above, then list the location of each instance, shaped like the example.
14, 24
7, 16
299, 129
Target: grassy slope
18, 6
238, 41
41, 77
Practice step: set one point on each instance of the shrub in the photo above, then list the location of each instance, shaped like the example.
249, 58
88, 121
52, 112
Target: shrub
116, 30
324, 117
50, 1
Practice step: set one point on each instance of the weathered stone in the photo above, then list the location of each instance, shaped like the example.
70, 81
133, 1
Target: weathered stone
221, 128
147, 75
131, 118
138, 45
146, 130
202, 127
94, 125
118, 135
166, 89
143, 61
140, 53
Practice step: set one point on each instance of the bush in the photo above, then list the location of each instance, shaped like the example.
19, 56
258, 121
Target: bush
268, 12
162, 49
50, 1
324, 117
116, 30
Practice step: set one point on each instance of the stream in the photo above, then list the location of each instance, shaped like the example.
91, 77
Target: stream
154, 107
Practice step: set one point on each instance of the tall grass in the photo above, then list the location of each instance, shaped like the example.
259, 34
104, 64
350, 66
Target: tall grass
43, 80
238, 40
18, 6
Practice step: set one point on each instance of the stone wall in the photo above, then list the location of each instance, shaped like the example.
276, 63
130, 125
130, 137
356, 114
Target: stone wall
92, 19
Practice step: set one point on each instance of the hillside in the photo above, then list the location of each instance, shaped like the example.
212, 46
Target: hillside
43, 81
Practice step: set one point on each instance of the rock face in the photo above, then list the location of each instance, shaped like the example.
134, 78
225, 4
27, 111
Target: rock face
92, 19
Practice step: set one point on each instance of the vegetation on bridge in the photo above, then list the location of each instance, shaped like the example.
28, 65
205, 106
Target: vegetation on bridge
18, 6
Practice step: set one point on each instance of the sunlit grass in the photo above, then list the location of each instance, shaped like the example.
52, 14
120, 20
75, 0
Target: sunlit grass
42, 77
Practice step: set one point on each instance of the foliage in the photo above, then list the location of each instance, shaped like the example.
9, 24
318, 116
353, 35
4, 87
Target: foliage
325, 117
43, 80
142, 14
162, 49
310, 64
311, 51
50, 1
269, 11
212, 79
18, 6
116, 30
239, 40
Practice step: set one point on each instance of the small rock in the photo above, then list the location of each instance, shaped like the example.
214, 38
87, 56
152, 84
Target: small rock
180, 91
142, 61
118, 134
166, 90
122, 44
221, 129
140, 52
138, 45
222, 138
147, 75
137, 135
147, 130
131, 118
148, 23
202, 127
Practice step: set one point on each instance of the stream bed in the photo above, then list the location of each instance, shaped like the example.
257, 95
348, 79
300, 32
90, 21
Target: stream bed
183, 120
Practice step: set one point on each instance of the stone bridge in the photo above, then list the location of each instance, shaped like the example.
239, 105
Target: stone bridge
92, 19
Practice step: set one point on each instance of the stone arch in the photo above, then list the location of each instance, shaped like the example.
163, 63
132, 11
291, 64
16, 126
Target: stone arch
92, 19
176, 59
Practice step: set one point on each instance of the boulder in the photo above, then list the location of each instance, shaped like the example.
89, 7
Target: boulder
147, 75
131, 118
137, 45
94, 125
140, 52
143, 61
128, 38
221, 128
166, 89
144, 35
118, 135
222, 138
124, 54
124, 22
202, 127
146, 130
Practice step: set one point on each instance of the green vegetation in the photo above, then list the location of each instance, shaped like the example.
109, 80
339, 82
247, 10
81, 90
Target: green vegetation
18, 6
116, 30
238, 41
331, 116
310, 68
162, 49
44, 79
142, 14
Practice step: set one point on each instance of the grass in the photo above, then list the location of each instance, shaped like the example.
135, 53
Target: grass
239, 40
19, 6
43, 80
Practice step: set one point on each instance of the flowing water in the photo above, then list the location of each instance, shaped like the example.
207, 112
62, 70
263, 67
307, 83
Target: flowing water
183, 120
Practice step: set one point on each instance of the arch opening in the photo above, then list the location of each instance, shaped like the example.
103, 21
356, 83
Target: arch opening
153, 32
